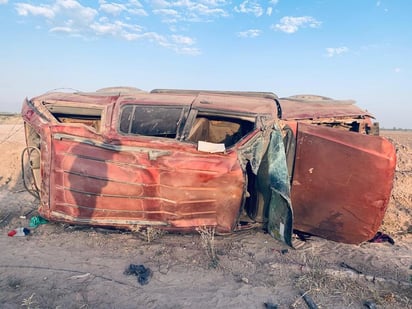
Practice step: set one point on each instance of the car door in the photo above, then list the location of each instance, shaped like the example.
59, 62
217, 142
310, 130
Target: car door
341, 183
263, 159
129, 179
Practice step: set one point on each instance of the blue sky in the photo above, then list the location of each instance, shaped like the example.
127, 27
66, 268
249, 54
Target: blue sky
348, 49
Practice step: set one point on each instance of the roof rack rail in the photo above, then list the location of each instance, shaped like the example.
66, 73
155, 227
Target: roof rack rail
267, 95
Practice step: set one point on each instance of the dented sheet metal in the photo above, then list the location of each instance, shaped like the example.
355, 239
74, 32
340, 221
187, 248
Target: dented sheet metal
280, 215
267, 158
205, 159
126, 186
94, 173
295, 108
341, 183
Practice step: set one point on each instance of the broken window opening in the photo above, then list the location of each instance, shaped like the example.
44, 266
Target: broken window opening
253, 206
219, 129
157, 121
84, 115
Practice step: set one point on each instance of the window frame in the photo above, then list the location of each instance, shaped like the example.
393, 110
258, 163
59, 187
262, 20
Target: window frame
179, 127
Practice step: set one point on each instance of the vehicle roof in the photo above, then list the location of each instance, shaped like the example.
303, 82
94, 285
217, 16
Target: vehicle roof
243, 102
94, 99
314, 106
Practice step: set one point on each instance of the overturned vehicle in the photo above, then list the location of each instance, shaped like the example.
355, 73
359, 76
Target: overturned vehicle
182, 159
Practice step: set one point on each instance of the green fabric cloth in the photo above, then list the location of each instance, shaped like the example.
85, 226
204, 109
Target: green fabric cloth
37, 220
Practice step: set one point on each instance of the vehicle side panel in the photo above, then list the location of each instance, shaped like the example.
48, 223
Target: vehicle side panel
298, 110
100, 182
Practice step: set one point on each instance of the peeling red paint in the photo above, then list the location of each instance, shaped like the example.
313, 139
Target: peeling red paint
96, 168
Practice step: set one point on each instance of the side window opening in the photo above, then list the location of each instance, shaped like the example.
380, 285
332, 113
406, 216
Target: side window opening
219, 129
157, 121
85, 115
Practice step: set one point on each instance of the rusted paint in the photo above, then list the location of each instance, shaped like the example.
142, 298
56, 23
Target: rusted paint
183, 189
300, 109
99, 176
92, 172
341, 183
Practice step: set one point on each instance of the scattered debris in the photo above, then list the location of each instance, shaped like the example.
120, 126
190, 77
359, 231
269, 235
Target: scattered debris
80, 276
20, 231
369, 304
36, 221
142, 273
271, 306
344, 265
309, 301
302, 235
381, 237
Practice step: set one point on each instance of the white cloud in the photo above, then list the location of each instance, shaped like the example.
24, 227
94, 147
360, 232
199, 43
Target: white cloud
60, 11
160, 3
188, 51
378, 4
184, 40
25, 9
112, 8
290, 24
116, 28
251, 33
62, 29
155, 37
68, 4
136, 3
116, 19
252, 7
73, 9
169, 12
170, 16
397, 70
191, 11
140, 12
334, 51
107, 28
130, 7
214, 2
4, 1
205, 10
269, 10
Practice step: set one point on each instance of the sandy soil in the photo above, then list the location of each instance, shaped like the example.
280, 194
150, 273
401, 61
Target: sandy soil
62, 266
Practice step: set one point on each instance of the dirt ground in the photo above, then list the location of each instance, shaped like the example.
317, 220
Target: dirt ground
62, 266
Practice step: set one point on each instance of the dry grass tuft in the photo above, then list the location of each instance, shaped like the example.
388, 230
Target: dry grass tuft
207, 236
30, 302
326, 287
149, 233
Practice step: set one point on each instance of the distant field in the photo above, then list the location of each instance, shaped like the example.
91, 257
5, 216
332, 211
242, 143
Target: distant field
10, 118
403, 137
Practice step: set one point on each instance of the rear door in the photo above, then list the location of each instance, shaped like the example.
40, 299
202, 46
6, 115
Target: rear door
341, 183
